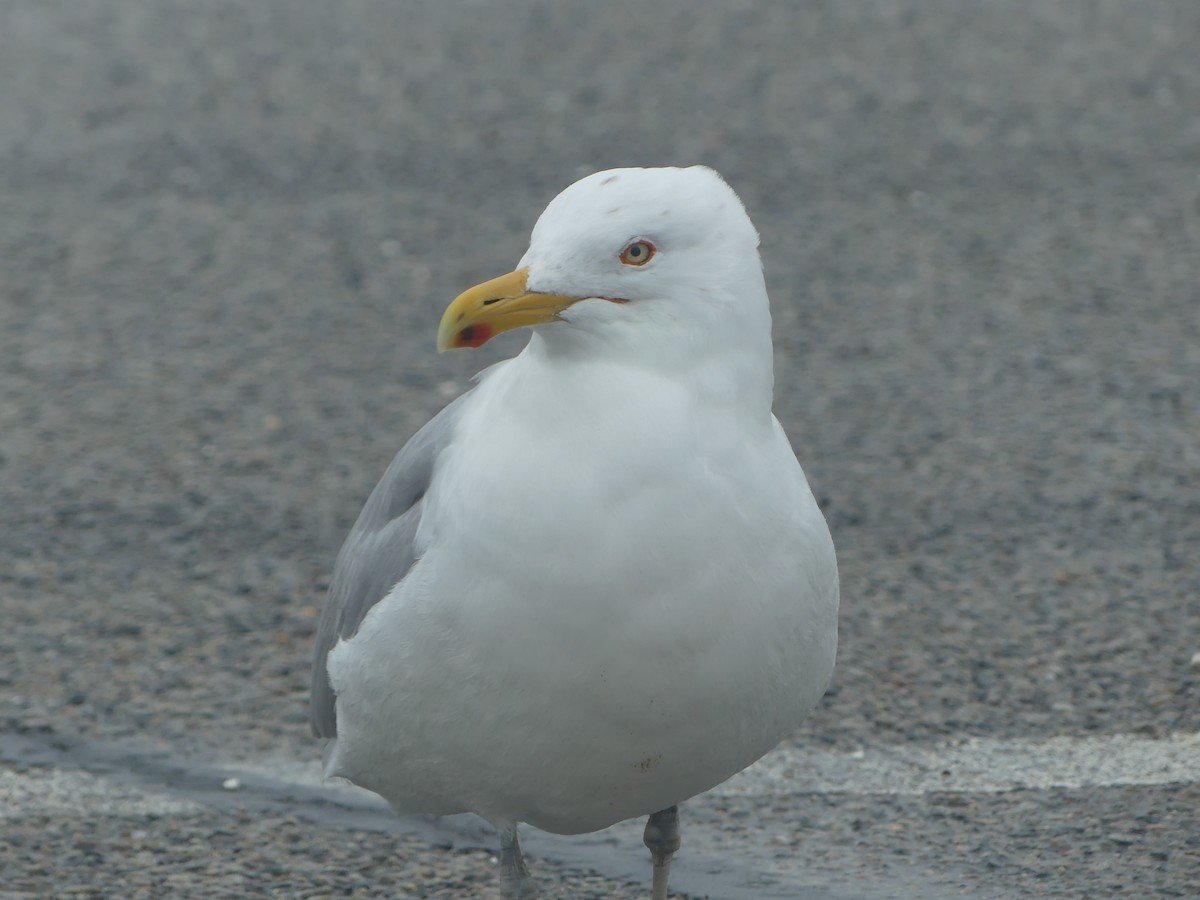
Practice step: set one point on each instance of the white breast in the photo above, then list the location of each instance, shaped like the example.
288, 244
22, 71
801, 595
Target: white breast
668, 623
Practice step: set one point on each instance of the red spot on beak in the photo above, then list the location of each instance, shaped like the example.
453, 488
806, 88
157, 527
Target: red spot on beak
474, 336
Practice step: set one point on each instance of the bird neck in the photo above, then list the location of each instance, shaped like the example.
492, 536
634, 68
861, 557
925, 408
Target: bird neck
719, 359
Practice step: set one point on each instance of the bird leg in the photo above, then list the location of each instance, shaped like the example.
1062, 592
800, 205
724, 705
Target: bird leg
662, 837
515, 881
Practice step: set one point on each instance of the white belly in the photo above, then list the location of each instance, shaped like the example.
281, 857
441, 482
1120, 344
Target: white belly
571, 672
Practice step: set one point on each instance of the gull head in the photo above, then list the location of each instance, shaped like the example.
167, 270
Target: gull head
627, 258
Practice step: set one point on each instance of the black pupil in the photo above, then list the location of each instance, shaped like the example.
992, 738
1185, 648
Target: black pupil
635, 251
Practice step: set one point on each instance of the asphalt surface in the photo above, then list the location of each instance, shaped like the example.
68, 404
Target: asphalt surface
227, 232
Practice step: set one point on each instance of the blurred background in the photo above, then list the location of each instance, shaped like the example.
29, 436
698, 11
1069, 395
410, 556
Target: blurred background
228, 231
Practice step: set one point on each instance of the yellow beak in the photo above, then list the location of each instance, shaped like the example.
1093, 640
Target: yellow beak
502, 304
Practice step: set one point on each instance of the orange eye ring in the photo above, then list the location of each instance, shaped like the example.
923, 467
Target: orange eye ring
638, 253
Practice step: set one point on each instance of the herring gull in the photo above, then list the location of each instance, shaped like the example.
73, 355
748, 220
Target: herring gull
596, 584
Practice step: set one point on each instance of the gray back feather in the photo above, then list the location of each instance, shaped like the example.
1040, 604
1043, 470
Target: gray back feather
378, 552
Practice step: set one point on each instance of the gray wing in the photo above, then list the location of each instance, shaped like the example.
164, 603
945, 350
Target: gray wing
378, 552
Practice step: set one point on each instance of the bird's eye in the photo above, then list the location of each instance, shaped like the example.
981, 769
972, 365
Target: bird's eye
637, 253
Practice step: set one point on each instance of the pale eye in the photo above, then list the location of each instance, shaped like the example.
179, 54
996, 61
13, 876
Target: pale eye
637, 253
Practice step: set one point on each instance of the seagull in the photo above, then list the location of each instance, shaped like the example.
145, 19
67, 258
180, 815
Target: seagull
597, 584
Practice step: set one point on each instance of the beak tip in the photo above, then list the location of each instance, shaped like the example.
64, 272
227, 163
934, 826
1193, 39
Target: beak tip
472, 320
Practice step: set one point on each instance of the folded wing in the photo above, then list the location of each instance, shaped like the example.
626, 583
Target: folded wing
377, 554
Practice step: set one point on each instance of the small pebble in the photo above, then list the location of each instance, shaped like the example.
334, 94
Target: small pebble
231, 784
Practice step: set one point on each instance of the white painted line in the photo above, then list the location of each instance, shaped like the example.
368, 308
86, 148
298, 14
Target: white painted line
976, 765
51, 792
306, 773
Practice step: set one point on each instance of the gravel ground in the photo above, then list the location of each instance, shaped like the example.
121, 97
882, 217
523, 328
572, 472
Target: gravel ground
1056, 843
251, 856
229, 231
